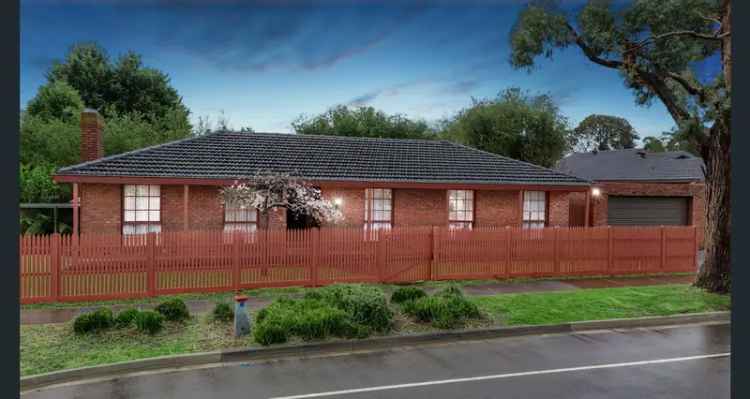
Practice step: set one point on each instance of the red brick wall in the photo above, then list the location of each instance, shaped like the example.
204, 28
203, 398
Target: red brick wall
352, 204
495, 208
559, 208
100, 210
414, 207
92, 143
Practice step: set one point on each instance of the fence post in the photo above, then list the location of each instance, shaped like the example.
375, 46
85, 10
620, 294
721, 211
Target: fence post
433, 251
316, 257
151, 264
55, 267
236, 237
380, 254
556, 251
610, 252
508, 251
663, 262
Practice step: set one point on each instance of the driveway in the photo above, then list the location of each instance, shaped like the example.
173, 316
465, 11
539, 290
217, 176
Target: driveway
677, 362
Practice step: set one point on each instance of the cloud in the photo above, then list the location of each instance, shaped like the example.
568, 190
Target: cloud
461, 87
289, 38
364, 99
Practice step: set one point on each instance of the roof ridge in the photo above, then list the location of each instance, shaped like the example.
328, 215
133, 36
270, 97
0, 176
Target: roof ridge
337, 137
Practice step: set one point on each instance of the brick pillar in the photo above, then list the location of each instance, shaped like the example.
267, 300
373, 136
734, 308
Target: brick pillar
92, 143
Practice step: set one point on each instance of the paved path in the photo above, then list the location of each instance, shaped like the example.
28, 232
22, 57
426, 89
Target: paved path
44, 316
682, 362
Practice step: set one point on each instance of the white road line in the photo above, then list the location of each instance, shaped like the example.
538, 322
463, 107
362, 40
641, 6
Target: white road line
498, 376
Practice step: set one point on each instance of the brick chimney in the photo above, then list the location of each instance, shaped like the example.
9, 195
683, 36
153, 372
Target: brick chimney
92, 144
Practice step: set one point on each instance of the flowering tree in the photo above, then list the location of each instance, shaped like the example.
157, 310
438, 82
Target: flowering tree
268, 190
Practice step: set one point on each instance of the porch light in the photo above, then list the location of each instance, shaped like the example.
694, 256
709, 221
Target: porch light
338, 201
596, 192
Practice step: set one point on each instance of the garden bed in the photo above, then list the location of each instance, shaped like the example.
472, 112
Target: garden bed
51, 347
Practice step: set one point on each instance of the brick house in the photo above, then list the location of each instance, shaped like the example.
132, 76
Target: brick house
376, 182
637, 187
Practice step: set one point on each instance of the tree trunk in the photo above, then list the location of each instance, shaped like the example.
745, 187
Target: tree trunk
715, 273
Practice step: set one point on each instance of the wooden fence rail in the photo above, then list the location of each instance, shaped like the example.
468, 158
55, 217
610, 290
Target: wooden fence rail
98, 267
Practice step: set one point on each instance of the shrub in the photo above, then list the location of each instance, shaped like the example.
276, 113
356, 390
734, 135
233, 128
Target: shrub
126, 317
173, 310
98, 320
223, 312
321, 322
404, 294
447, 309
270, 333
365, 305
341, 311
149, 322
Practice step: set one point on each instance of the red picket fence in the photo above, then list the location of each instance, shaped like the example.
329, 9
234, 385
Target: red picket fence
98, 267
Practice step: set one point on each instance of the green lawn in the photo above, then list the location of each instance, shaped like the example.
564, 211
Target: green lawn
51, 347
599, 304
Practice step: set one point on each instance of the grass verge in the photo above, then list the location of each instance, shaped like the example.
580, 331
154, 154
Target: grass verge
600, 304
51, 347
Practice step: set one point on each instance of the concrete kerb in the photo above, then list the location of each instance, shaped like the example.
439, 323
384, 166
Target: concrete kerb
343, 346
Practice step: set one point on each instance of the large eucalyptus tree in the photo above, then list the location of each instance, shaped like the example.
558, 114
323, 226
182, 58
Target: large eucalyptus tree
656, 45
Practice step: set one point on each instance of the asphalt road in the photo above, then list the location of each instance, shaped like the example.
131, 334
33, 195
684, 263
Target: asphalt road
678, 362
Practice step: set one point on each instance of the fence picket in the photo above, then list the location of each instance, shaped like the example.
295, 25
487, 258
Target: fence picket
98, 267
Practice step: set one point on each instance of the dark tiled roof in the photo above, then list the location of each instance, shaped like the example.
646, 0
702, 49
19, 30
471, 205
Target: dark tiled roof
230, 155
633, 165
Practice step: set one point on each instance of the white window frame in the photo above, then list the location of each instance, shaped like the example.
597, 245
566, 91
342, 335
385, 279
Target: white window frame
240, 219
534, 209
461, 209
378, 208
141, 209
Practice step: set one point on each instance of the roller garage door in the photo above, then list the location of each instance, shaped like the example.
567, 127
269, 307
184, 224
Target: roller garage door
645, 211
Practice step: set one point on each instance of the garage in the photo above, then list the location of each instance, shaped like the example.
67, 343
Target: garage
628, 211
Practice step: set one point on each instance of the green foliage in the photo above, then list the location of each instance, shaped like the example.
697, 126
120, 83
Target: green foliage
271, 332
362, 122
653, 144
49, 142
603, 132
223, 312
126, 317
515, 124
120, 87
351, 311
173, 310
96, 321
404, 294
36, 183
149, 322
365, 304
56, 100
446, 309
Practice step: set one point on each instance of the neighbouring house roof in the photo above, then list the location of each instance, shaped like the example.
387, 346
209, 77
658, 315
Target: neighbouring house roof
633, 165
231, 155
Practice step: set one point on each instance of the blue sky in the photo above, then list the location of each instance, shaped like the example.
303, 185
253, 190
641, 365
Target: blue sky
265, 65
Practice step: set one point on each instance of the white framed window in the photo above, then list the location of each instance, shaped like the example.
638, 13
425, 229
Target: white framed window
378, 208
237, 218
141, 209
534, 209
460, 209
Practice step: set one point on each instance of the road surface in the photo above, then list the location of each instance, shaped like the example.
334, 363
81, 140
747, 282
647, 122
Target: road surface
676, 362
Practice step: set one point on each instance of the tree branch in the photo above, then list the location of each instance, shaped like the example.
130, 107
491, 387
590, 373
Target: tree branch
717, 36
590, 54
